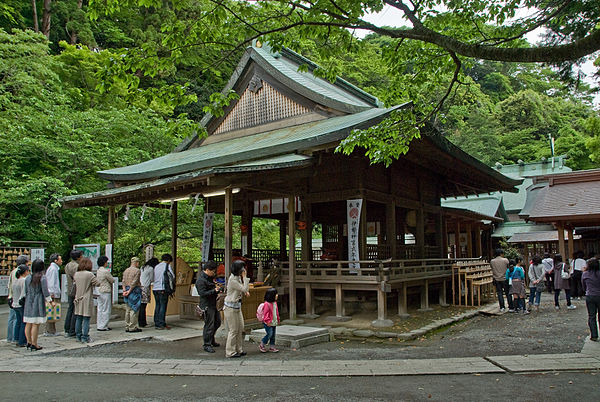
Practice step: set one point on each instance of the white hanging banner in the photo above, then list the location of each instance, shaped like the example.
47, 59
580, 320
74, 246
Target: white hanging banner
206, 236
353, 215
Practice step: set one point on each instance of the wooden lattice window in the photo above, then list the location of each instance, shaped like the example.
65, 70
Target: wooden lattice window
259, 104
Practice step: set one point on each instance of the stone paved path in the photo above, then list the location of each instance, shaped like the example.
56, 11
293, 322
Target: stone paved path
48, 360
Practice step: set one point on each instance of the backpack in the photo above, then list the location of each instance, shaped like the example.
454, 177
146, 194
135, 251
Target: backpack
169, 282
260, 312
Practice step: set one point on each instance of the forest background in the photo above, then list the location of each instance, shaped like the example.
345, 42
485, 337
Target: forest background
76, 98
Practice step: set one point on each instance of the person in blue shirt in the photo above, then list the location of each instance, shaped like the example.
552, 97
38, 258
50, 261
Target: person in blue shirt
515, 276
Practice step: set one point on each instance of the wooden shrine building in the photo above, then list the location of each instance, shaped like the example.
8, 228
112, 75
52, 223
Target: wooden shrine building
277, 142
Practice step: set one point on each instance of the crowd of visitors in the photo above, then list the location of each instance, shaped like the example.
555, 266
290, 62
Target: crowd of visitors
576, 277
34, 291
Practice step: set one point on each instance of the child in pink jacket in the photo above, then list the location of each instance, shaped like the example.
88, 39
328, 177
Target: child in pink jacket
270, 319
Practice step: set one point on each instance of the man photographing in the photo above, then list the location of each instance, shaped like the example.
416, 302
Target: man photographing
208, 291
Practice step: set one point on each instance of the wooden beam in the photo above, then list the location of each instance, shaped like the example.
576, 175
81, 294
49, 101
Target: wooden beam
340, 311
174, 236
561, 240
571, 245
306, 233
478, 245
228, 231
420, 235
457, 239
390, 227
469, 234
111, 226
292, 256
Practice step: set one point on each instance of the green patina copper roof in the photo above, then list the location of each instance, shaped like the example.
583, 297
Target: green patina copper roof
278, 162
508, 229
514, 202
256, 146
488, 205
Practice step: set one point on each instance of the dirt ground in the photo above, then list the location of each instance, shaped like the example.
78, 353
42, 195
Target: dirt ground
547, 331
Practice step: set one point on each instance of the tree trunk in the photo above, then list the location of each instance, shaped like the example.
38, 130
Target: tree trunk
74, 33
36, 26
46, 18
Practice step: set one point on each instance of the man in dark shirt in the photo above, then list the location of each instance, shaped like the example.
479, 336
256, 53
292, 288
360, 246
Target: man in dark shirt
208, 291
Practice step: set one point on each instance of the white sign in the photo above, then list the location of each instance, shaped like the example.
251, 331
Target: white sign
353, 216
4, 285
206, 236
37, 253
275, 206
91, 251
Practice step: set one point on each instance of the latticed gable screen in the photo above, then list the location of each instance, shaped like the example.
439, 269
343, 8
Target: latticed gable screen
260, 104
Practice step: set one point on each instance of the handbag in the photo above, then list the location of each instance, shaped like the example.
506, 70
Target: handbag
73, 290
52, 312
564, 274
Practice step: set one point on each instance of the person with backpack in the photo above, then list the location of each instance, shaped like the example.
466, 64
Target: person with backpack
562, 274
163, 287
208, 292
268, 314
132, 295
515, 276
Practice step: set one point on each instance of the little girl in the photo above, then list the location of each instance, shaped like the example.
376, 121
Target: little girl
516, 278
270, 320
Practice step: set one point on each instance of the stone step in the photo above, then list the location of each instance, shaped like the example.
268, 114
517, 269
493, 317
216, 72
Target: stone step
294, 336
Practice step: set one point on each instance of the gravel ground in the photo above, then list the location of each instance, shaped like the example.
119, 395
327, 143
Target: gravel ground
547, 331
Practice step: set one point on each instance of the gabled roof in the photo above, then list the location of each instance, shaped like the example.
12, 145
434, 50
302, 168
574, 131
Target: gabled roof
487, 205
569, 197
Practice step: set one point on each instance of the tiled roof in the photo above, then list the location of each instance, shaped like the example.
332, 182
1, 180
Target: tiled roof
569, 201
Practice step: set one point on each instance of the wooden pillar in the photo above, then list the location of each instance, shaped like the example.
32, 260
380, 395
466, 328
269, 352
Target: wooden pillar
307, 232
246, 237
362, 231
402, 301
292, 256
571, 246
478, 245
390, 227
228, 231
441, 235
457, 239
340, 311
381, 305
445, 238
310, 307
425, 296
420, 235
469, 234
111, 226
282, 239
561, 240
174, 235
442, 295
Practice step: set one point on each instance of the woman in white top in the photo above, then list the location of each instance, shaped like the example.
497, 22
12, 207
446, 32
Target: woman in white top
238, 285
18, 291
146, 278
105, 284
